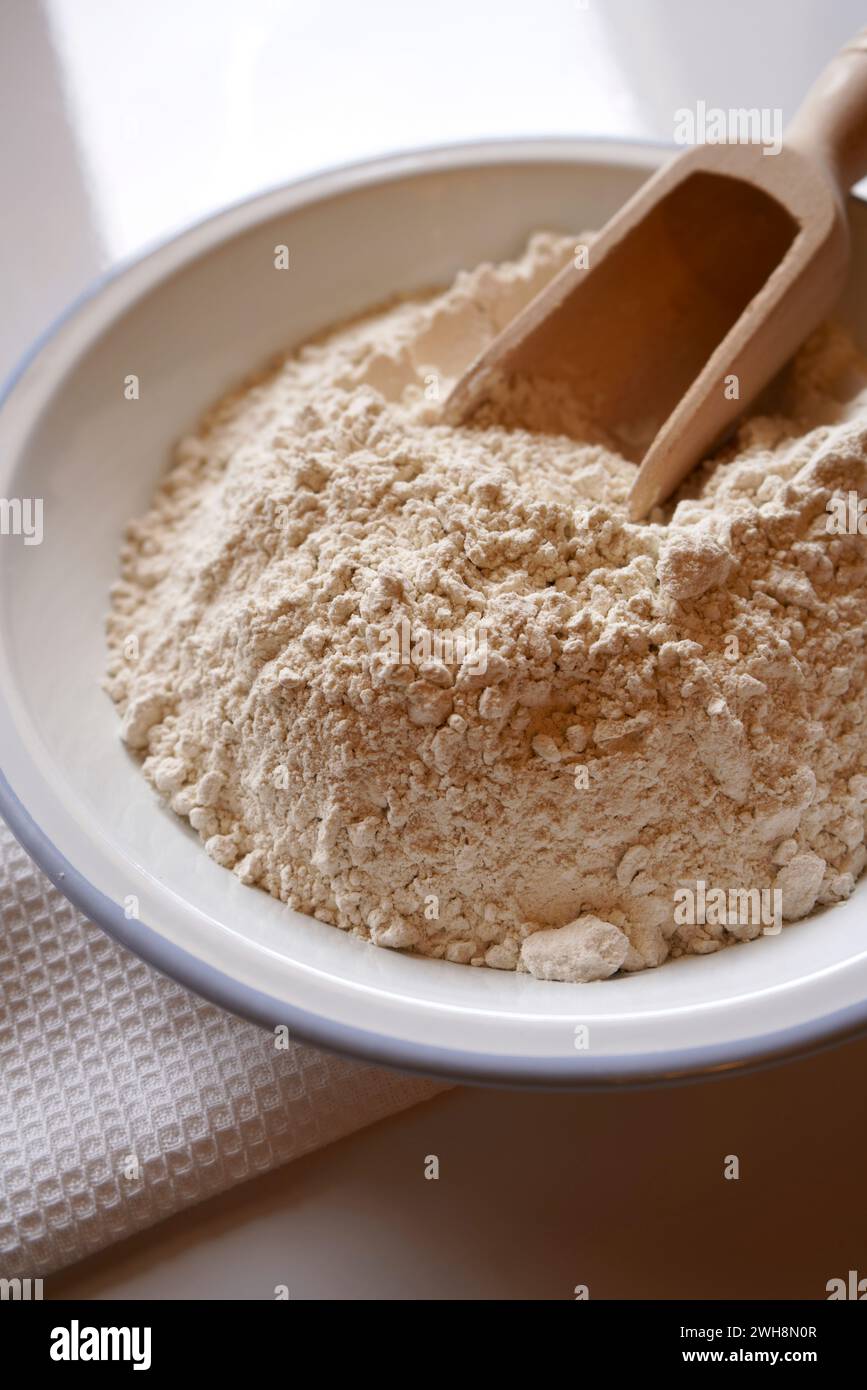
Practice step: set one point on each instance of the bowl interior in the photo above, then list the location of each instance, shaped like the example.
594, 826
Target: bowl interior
189, 321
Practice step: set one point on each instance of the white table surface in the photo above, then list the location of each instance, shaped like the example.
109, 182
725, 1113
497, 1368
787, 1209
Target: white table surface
123, 121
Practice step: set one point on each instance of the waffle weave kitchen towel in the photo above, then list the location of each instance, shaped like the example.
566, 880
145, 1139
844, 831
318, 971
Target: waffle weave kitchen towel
124, 1098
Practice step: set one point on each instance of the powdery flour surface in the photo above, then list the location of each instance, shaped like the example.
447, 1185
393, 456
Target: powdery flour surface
609, 711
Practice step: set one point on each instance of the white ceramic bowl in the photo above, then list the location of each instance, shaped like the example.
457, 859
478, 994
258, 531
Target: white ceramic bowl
189, 319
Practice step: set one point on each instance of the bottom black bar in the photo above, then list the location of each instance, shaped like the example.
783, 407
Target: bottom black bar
155, 1338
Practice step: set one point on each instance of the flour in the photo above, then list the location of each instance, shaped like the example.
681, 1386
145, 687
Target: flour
657, 705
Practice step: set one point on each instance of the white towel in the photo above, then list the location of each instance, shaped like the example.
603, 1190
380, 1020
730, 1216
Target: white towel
124, 1098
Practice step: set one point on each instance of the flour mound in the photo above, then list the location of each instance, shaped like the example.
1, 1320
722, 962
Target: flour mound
431, 685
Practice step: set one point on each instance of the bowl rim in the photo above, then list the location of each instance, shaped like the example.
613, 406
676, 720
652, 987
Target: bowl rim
583, 1072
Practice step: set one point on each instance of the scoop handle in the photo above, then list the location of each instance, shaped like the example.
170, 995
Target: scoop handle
831, 123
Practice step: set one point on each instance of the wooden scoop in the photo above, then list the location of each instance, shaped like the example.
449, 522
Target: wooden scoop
699, 290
